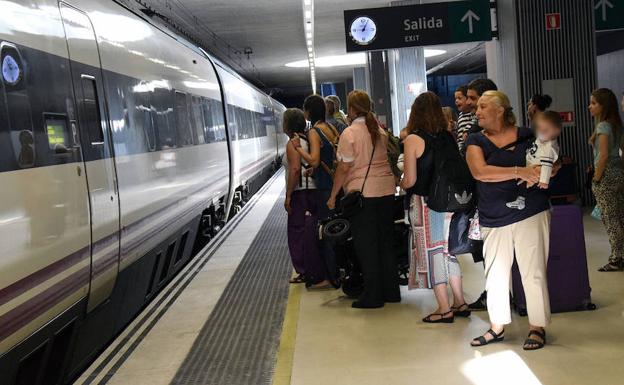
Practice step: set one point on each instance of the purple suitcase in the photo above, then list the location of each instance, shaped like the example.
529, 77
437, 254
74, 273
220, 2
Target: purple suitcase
568, 280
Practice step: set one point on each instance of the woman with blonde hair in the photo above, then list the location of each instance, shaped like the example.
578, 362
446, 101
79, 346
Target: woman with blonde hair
608, 181
430, 264
497, 157
363, 166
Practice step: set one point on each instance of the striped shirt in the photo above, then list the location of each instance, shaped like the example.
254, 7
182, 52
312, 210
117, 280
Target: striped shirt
463, 127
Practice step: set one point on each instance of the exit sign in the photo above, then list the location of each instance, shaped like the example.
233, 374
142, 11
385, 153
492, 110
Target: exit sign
553, 21
609, 14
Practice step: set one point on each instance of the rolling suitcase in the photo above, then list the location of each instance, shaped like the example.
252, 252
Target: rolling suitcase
568, 279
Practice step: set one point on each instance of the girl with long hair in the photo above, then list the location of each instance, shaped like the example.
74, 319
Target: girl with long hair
430, 264
608, 180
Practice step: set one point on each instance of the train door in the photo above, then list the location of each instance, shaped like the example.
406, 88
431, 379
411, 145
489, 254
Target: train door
90, 121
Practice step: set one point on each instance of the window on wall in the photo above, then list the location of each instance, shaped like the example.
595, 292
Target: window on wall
184, 135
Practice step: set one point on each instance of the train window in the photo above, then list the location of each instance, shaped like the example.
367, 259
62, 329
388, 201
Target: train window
142, 119
162, 108
218, 121
91, 106
198, 119
207, 113
184, 134
232, 124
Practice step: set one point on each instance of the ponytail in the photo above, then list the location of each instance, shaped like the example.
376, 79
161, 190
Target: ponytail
373, 126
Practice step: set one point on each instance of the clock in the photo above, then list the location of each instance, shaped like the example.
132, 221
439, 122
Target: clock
363, 30
11, 71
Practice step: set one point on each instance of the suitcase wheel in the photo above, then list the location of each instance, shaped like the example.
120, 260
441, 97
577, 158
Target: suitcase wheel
591, 306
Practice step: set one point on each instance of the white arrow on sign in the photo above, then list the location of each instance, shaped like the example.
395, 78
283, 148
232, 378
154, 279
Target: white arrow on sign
470, 16
604, 4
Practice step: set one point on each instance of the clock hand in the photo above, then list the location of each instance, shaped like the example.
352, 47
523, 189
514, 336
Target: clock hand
364, 28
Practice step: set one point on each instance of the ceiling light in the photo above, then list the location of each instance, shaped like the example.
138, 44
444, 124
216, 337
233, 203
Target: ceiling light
307, 2
309, 35
353, 59
309, 50
307, 14
309, 42
308, 26
434, 52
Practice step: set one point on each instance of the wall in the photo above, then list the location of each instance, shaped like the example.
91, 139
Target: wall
611, 73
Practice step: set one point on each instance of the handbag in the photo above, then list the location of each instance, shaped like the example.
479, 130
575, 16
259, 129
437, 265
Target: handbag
458, 240
353, 202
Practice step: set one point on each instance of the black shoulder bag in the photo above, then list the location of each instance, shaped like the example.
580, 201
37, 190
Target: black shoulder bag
353, 202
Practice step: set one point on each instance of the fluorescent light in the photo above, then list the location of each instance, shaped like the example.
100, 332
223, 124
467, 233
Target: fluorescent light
352, 59
309, 42
307, 2
309, 35
307, 14
308, 26
434, 52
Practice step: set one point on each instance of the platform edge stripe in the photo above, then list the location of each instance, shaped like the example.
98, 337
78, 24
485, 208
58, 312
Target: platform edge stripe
202, 258
282, 371
211, 358
111, 372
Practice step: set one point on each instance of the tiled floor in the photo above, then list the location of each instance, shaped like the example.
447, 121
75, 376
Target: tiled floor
336, 344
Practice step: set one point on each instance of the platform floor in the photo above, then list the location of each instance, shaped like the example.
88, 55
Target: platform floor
232, 318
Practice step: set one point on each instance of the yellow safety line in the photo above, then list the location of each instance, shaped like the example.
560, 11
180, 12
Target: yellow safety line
286, 350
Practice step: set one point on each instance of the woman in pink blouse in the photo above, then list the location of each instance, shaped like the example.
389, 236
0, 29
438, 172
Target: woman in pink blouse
372, 225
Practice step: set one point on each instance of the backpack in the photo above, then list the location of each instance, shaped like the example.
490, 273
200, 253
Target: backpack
452, 185
394, 151
331, 167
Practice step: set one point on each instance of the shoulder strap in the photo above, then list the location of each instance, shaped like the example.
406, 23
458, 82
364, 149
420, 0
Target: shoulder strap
369, 166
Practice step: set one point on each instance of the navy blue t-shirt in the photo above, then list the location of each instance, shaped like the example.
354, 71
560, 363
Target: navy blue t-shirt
498, 201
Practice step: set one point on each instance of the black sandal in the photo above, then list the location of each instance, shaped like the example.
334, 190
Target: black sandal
531, 341
461, 313
482, 341
442, 319
298, 279
611, 266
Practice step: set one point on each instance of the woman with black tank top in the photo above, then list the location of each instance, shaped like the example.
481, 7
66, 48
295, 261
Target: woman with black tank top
430, 264
497, 159
323, 138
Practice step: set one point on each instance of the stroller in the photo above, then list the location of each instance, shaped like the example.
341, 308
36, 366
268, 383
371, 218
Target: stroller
337, 229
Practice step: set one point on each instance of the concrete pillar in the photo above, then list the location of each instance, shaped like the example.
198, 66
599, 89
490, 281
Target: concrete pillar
361, 79
408, 79
379, 85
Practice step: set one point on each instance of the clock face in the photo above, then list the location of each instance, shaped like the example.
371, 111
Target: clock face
363, 30
11, 72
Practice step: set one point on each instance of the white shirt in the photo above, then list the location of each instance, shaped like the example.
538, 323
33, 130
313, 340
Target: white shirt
545, 154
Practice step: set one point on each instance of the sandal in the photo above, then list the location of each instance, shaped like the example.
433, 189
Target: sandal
611, 266
442, 319
531, 341
482, 341
461, 313
298, 279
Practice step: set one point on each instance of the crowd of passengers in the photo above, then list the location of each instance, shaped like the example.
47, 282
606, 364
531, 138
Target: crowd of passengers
331, 154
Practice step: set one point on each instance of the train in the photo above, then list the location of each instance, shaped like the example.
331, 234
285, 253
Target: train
122, 146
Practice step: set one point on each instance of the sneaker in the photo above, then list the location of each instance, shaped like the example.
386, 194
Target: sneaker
480, 303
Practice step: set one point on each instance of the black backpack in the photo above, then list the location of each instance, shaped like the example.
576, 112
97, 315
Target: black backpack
452, 185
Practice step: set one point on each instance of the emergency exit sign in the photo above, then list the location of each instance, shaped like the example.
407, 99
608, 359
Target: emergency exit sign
373, 29
609, 14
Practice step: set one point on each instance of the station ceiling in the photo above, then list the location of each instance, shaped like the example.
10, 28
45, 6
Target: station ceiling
274, 31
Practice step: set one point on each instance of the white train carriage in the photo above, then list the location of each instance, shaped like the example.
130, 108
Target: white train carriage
120, 145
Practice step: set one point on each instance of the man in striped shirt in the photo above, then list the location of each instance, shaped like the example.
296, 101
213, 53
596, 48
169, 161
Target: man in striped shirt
465, 118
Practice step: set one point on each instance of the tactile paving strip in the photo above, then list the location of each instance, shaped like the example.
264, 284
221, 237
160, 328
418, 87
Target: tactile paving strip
239, 341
